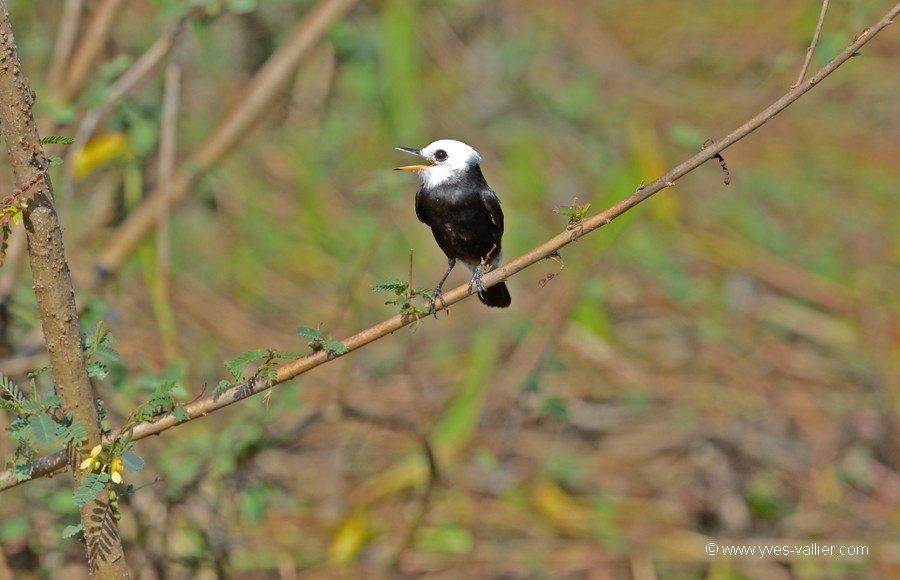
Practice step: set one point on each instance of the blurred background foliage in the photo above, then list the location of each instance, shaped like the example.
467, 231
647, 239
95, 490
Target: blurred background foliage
721, 362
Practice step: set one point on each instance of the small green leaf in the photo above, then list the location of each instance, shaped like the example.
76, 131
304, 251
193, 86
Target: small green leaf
309, 333
22, 470
54, 160
268, 372
180, 414
74, 433
107, 351
390, 285
336, 347
223, 384
97, 369
556, 407
90, 488
19, 427
576, 213
56, 139
15, 400
44, 427
71, 531
77, 433
160, 400
236, 365
53, 402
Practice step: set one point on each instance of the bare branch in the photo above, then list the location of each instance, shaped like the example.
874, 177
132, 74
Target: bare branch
812, 44
93, 40
65, 40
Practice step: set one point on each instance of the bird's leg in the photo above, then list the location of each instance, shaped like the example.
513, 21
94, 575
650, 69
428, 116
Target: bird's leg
438, 294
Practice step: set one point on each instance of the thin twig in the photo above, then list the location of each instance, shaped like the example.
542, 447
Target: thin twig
65, 40
409, 283
92, 43
265, 87
812, 45
424, 505
208, 404
162, 303
131, 79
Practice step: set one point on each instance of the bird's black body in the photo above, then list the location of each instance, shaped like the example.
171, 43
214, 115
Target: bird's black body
463, 213
467, 223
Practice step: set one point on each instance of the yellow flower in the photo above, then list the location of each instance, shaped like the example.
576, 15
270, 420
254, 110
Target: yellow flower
117, 467
92, 463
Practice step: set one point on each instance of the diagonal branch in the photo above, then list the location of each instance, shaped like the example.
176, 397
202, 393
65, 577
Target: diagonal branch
551, 247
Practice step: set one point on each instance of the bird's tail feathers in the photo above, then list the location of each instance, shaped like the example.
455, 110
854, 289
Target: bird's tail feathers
496, 296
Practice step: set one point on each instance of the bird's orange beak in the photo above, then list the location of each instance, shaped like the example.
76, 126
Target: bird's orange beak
419, 167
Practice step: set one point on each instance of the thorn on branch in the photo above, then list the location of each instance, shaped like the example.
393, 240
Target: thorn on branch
724, 167
484, 260
556, 257
718, 157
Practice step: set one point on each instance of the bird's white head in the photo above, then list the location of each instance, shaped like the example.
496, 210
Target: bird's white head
446, 161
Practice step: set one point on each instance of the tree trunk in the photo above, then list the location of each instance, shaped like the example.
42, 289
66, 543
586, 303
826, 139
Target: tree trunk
54, 292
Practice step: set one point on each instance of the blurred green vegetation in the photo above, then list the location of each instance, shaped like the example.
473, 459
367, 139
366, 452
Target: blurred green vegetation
722, 360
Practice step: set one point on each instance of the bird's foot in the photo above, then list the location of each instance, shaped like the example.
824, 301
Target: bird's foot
438, 294
476, 282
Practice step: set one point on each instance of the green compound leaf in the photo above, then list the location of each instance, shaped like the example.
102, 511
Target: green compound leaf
90, 488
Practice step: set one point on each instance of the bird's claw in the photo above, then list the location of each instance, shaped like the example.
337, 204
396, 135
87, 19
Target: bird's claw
476, 280
435, 296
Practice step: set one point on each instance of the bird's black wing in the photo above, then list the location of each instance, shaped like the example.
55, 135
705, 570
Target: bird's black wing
492, 204
420, 205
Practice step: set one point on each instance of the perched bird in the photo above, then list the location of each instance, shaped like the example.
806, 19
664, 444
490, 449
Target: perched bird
463, 213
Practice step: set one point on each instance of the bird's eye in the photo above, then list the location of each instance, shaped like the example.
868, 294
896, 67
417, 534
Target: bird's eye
440, 155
